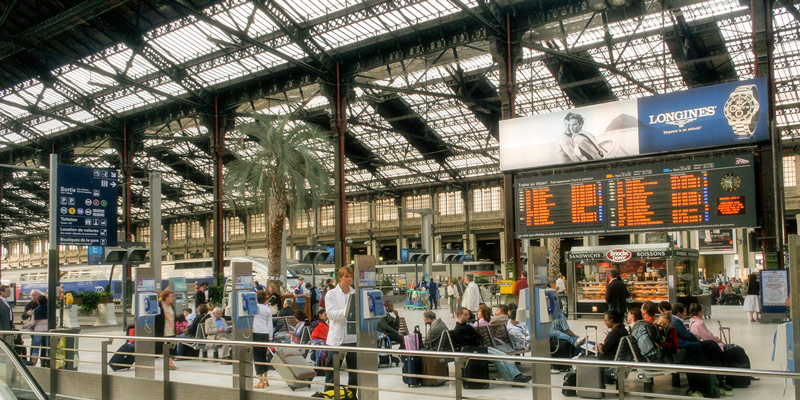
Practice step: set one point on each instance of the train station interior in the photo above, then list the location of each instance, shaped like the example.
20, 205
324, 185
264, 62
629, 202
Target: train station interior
281, 199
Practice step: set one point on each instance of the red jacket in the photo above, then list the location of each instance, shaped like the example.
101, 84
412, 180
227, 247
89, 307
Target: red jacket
671, 341
320, 331
520, 284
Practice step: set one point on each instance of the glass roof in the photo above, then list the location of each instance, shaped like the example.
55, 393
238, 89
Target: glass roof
215, 48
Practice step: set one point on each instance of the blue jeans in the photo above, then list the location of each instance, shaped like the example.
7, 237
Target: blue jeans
563, 336
39, 341
180, 350
507, 370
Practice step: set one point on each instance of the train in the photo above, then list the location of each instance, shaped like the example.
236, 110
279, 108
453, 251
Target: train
410, 274
85, 277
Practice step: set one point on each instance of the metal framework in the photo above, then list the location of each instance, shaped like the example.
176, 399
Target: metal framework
423, 104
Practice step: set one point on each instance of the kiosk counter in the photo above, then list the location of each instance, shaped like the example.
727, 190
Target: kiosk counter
655, 272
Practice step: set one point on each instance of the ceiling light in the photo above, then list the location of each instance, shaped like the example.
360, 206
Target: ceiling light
597, 5
617, 3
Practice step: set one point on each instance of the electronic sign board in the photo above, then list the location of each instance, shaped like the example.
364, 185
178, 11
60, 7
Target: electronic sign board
707, 193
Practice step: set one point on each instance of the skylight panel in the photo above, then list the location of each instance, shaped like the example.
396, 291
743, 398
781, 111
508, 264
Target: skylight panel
712, 8
734, 30
52, 125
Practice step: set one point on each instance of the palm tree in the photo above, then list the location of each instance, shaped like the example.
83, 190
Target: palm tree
554, 259
280, 172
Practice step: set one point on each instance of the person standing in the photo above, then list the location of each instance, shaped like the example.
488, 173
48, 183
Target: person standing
472, 295
300, 294
451, 297
521, 283
460, 289
165, 322
617, 294
200, 296
262, 332
561, 286
336, 308
752, 302
28, 312
433, 292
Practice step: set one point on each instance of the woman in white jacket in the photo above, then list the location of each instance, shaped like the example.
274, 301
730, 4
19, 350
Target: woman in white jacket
336, 308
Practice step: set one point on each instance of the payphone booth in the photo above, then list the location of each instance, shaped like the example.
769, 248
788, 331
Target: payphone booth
245, 308
538, 305
145, 309
364, 310
181, 293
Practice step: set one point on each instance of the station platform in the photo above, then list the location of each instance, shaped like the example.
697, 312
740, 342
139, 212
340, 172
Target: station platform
756, 338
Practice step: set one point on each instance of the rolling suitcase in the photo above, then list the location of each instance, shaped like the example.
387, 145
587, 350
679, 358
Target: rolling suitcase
434, 366
301, 372
476, 369
412, 365
122, 361
589, 376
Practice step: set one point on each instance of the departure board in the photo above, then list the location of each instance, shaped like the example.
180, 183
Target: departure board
685, 195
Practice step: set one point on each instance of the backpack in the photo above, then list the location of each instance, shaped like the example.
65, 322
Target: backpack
344, 394
651, 335
297, 334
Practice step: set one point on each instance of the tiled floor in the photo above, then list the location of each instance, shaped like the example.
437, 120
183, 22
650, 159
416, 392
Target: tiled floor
755, 338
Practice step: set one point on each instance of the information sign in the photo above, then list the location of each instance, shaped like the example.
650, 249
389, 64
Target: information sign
86, 206
95, 255
696, 194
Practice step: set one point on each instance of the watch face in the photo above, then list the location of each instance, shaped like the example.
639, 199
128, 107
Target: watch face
740, 107
730, 182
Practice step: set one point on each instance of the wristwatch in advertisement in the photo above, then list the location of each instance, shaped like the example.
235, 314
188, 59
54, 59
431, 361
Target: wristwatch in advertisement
742, 111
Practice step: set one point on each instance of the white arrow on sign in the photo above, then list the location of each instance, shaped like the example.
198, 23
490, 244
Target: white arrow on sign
113, 184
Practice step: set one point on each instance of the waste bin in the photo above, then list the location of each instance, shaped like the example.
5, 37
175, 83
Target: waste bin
66, 358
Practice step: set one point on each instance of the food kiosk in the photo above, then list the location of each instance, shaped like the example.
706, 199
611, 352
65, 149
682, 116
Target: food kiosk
654, 272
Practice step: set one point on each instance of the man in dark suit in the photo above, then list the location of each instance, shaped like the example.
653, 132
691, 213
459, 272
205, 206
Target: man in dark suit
617, 294
390, 324
437, 326
200, 295
6, 316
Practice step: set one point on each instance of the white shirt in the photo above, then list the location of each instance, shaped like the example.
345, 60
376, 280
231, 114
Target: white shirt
451, 291
262, 322
561, 286
472, 297
335, 307
519, 335
190, 318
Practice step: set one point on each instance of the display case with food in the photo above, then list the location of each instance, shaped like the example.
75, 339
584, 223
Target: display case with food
652, 272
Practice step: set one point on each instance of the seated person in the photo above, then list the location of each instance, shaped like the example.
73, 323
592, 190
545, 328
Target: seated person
216, 329
697, 325
297, 332
670, 338
189, 314
464, 335
191, 331
608, 349
685, 337
484, 316
560, 330
501, 317
664, 306
437, 326
642, 331
649, 311
518, 333
287, 310
390, 324
319, 328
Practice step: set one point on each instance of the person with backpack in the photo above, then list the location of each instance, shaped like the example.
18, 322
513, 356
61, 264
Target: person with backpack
646, 335
313, 298
319, 328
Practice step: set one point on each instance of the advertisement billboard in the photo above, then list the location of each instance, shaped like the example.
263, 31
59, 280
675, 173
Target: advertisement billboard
716, 241
717, 115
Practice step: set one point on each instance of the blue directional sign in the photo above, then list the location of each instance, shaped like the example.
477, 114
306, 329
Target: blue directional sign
95, 255
86, 206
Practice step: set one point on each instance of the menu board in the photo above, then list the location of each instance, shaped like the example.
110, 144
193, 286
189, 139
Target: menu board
695, 194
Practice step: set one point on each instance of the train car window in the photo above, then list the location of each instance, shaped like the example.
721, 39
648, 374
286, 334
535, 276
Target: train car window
23, 277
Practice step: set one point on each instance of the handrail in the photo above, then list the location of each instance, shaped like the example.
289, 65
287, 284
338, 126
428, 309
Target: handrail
442, 354
14, 359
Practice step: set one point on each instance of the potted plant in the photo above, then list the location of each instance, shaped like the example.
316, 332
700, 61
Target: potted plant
89, 302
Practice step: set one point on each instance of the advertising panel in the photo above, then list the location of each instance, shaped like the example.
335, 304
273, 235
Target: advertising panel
718, 115
716, 241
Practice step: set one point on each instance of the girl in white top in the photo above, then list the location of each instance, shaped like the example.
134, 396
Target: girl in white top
451, 297
262, 332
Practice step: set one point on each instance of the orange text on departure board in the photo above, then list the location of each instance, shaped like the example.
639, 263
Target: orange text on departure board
689, 198
586, 203
537, 207
730, 205
632, 203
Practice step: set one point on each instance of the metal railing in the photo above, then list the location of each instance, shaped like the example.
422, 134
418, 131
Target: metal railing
242, 369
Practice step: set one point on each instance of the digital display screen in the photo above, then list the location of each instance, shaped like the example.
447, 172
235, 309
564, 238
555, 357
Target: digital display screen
695, 194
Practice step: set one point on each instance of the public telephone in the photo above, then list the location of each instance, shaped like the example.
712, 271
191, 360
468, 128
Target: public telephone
372, 303
146, 308
546, 310
246, 306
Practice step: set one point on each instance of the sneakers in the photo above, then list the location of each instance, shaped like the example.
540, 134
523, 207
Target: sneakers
727, 393
696, 394
554, 371
522, 378
580, 341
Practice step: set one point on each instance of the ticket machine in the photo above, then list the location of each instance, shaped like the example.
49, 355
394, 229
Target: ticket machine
181, 293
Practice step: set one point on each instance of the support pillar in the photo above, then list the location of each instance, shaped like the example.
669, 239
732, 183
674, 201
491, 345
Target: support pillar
507, 52
218, 125
770, 168
338, 94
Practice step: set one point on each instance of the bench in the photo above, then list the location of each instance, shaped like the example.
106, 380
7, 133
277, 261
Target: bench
628, 352
403, 326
